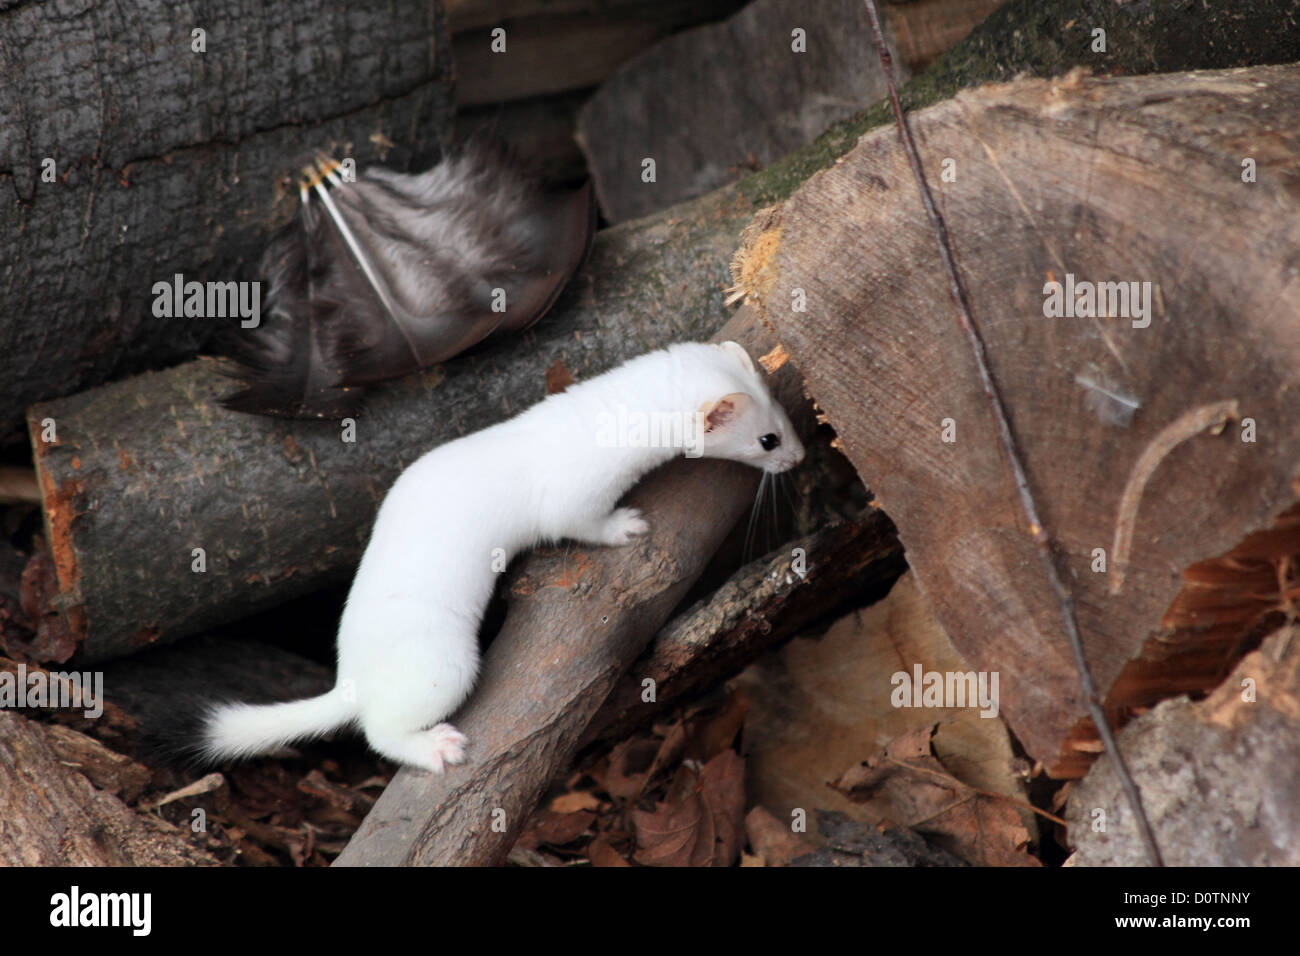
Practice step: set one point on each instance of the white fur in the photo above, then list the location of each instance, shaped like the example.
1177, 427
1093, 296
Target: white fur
408, 639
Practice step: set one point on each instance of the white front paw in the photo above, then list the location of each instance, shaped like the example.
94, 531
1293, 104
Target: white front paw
623, 525
446, 745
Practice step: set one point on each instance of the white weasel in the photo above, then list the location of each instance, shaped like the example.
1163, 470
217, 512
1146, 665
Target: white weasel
408, 638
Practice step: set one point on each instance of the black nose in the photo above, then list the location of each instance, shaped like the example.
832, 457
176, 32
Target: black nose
769, 441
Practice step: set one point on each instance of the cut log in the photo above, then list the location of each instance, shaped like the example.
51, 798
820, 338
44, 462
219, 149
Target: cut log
168, 160
577, 619
1155, 429
774, 77
51, 815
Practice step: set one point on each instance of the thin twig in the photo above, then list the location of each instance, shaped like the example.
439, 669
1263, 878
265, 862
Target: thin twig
958, 290
1171, 436
991, 794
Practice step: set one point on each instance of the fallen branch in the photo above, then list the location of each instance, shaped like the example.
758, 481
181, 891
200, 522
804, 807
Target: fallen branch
67, 820
763, 604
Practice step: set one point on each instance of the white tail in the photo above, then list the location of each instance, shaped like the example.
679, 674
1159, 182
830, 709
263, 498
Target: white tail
243, 730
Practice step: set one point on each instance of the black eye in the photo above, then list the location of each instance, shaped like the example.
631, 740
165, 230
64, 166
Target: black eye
769, 442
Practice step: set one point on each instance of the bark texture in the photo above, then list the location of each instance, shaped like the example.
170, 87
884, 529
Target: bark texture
763, 604
51, 814
170, 160
774, 76
1219, 778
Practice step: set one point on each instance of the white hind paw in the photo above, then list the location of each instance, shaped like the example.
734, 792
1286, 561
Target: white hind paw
446, 746
623, 525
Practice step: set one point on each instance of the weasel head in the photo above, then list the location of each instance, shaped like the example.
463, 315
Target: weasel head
746, 424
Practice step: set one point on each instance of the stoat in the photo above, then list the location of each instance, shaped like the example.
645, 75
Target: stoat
408, 639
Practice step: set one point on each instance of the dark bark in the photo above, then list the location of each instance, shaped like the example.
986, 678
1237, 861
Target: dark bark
170, 160
763, 604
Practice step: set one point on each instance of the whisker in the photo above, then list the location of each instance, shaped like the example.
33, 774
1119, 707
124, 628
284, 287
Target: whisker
789, 487
774, 526
747, 553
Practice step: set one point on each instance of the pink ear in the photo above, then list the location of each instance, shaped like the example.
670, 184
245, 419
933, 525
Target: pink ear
719, 414
723, 411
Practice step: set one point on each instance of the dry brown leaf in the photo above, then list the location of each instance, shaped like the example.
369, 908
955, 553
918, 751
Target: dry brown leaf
556, 829
911, 745
700, 821
601, 853
715, 733
629, 767
679, 831
575, 801
634, 763
722, 787
917, 792
558, 377
674, 834
773, 841
837, 690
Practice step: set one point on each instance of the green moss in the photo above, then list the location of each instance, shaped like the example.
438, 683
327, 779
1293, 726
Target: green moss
1050, 37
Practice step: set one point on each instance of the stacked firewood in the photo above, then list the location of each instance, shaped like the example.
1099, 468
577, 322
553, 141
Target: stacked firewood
169, 545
